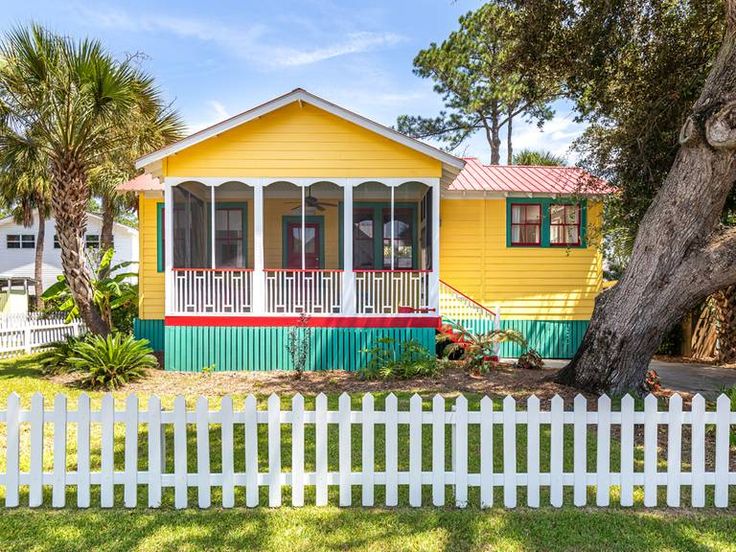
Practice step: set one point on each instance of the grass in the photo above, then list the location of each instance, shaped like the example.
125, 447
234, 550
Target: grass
330, 528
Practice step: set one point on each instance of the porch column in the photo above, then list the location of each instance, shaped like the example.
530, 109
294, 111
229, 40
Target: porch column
169, 248
348, 276
434, 277
259, 277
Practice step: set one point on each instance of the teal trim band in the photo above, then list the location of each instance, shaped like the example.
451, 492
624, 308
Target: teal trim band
545, 203
152, 330
319, 219
160, 237
228, 348
552, 338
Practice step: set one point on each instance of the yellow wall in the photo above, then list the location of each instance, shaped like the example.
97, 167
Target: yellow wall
151, 282
528, 283
300, 141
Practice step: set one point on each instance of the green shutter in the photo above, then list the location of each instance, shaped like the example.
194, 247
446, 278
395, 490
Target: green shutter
160, 264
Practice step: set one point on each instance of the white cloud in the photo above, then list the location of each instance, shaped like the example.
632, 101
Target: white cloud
247, 42
214, 113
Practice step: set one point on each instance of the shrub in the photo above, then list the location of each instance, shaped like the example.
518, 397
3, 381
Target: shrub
652, 382
298, 346
530, 360
477, 350
412, 360
112, 361
55, 358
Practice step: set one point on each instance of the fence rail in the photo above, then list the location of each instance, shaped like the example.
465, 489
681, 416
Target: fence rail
18, 335
382, 453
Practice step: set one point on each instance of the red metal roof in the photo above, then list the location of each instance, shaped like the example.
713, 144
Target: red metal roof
141, 183
477, 177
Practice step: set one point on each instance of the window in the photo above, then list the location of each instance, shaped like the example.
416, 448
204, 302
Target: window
21, 241
92, 241
229, 234
57, 244
564, 225
526, 224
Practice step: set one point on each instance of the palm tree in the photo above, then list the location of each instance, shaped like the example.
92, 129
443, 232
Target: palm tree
532, 157
74, 101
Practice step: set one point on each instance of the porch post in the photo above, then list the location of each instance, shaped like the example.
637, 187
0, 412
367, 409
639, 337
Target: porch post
434, 277
259, 277
169, 281
348, 276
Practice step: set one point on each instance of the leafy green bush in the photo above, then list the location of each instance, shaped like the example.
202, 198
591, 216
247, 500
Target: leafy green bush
412, 360
477, 351
530, 360
112, 361
55, 358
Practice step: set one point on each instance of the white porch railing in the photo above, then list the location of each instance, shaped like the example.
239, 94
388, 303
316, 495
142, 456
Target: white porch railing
391, 291
309, 291
201, 290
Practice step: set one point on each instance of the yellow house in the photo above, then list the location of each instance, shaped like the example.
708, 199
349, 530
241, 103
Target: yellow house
299, 206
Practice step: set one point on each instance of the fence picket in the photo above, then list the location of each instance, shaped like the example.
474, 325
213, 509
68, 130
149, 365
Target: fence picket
269, 425
580, 446
532, 452
83, 429
107, 417
35, 491
627, 451
392, 451
438, 450
204, 491
58, 492
461, 466
368, 451
180, 453
603, 452
650, 450
415, 450
486, 452
12, 462
674, 451
723, 411
131, 452
697, 451
155, 460
251, 452
274, 450
509, 452
344, 458
297, 450
321, 449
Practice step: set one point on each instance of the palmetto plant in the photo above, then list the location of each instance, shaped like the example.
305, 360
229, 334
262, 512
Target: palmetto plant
477, 349
75, 102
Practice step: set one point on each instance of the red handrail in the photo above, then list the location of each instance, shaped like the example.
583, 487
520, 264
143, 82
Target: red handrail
412, 270
302, 270
476, 303
224, 269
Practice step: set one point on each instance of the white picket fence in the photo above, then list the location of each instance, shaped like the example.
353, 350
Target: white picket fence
27, 333
424, 426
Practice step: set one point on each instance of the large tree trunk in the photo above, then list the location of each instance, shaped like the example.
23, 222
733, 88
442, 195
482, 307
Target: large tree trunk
681, 254
69, 200
38, 259
108, 218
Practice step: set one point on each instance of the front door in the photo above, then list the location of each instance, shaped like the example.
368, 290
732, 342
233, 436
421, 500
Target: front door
312, 245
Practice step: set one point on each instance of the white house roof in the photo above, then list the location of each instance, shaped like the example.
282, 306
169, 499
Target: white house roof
116, 225
451, 163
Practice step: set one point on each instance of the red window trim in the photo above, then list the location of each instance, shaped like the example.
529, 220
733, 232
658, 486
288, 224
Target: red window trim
522, 224
564, 225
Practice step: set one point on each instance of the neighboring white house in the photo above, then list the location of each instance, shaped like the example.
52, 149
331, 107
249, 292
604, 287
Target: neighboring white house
18, 244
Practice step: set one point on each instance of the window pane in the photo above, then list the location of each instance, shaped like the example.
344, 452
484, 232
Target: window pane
516, 213
13, 241
573, 235
557, 214
571, 214
556, 234
363, 252
533, 213
530, 234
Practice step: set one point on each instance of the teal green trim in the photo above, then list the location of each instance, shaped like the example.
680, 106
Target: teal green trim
189, 349
243, 206
378, 236
160, 237
545, 203
152, 330
319, 219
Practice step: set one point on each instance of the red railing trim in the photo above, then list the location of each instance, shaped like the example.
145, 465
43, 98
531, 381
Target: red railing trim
212, 269
418, 271
476, 303
303, 270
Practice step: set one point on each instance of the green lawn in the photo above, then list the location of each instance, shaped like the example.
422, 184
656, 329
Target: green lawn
330, 528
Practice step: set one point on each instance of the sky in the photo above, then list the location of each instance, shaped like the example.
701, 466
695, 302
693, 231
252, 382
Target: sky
216, 58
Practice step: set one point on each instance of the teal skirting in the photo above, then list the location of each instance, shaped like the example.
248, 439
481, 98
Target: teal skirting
552, 338
228, 348
152, 330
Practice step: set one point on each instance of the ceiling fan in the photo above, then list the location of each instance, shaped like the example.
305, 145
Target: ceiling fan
312, 202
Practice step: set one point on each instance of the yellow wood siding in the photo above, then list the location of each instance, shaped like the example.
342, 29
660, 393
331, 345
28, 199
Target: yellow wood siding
300, 140
528, 283
151, 282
